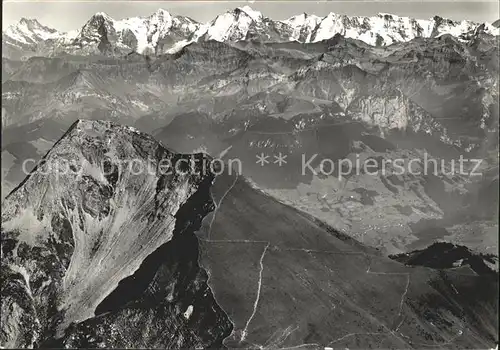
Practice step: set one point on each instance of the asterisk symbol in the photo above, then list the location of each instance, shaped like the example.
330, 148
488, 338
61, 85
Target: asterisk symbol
262, 159
280, 159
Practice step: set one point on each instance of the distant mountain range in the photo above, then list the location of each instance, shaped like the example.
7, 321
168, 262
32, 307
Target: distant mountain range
163, 32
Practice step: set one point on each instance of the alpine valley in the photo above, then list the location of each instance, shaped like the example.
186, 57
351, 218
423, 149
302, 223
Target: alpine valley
281, 254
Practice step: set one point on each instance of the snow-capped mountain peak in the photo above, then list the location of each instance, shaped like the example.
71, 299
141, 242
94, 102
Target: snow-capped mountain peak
161, 13
302, 26
302, 18
29, 31
100, 29
139, 34
30, 22
101, 14
99, 18
386, 29
233, 25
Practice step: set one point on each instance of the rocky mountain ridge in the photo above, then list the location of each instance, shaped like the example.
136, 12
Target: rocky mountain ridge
162, 32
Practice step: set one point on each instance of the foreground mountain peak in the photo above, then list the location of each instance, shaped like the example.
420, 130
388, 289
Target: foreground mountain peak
233, 25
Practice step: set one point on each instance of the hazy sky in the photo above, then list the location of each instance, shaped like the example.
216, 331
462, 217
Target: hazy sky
68, 15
